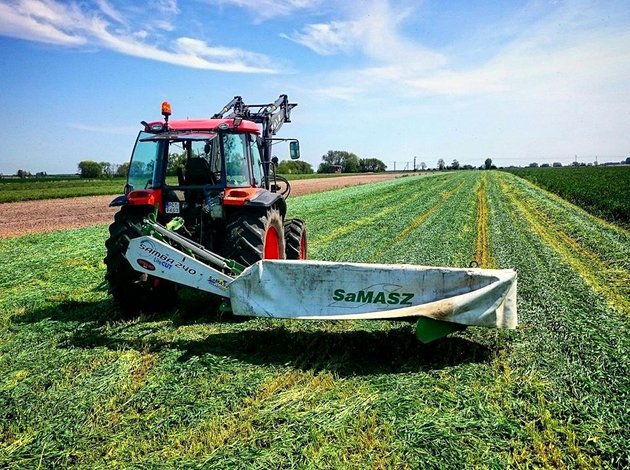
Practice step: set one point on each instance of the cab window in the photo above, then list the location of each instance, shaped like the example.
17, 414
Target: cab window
257, 165
237, 170
142, 169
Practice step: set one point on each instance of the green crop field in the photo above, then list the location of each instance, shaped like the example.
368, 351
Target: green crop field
79, 386
603, 190
13, 190
54, 188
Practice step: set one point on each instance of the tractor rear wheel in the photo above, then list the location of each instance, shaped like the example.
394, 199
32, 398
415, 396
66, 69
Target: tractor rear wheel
295, 238
253, 235
133, 292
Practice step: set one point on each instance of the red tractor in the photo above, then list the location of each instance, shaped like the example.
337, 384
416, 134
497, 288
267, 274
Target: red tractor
213, 182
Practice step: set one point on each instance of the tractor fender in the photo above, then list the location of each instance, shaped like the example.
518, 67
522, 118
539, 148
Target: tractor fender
255, 198
266, 198
119, 201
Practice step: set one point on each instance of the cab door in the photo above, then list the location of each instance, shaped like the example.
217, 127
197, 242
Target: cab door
258, 172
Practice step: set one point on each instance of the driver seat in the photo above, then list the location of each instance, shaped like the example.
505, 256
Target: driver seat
198, 172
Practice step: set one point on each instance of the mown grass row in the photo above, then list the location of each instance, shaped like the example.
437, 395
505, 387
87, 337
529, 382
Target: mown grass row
80, 386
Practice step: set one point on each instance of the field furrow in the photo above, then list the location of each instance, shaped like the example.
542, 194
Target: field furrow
483, 257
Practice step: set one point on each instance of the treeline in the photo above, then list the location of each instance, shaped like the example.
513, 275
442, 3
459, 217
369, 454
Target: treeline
92, 169
335, 161
23, 174
294, 167
340, 161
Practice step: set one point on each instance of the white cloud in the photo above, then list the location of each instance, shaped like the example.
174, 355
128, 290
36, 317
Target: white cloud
375, 33
327, 38
265, 9
111, 12
67, 24
570, 45
37, 21
564, 53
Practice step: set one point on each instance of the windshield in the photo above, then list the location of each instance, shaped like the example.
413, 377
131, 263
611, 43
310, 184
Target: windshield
143, 163
236, 163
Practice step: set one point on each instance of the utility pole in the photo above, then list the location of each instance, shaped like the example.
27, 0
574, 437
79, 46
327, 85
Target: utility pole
414, 163
394, 166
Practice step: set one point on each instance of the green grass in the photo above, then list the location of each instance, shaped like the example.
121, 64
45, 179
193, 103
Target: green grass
12, 190
79, 386
55, 188
603, 190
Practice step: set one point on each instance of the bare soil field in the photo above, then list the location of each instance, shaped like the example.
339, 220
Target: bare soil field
21, 218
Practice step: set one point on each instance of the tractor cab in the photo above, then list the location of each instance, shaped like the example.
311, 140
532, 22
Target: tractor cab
187, 162
195, 158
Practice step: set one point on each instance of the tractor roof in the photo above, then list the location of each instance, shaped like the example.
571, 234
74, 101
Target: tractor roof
208, 125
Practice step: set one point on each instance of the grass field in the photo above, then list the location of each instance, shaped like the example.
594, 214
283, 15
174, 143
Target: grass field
79, 386
54, 188
603, 190
12, 190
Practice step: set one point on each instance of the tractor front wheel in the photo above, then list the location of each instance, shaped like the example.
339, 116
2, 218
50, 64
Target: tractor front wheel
133, 292
254, 235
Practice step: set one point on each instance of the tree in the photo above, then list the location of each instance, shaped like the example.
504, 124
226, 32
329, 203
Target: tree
544, 165
488, 163
441, 165
23, 174
455, 165
327, 168
533, 165
423, 166
90, 169
294, 167
348, 162
351, 164
557, 164
108, 169
122, 169
175, 160
628, 161
373, 165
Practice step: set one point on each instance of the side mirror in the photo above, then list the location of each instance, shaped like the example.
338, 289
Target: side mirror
294, 149
274, 160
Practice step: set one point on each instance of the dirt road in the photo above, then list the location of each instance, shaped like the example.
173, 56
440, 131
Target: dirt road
20, 218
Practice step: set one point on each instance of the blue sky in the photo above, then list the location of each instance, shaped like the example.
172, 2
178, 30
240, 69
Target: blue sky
516, 81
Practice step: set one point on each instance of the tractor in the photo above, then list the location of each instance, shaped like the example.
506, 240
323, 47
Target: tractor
223, 194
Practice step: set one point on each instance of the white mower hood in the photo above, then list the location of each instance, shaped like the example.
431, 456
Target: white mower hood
320, 290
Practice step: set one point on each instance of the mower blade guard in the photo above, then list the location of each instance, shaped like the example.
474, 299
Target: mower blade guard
151, 256
320, 290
